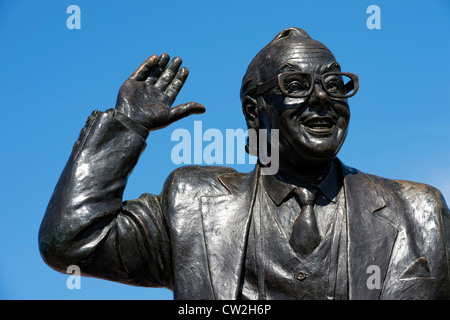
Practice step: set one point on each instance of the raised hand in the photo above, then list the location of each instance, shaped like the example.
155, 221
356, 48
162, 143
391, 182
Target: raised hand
148, 94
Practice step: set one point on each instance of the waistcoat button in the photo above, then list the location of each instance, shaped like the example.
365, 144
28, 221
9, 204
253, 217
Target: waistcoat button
300, 276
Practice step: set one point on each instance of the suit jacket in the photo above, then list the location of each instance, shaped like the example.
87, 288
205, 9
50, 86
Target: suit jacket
192, 237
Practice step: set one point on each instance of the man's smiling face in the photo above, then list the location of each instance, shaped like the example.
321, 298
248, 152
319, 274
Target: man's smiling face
311, 129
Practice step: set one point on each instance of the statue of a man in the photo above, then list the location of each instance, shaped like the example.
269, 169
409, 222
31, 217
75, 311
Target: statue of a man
316, 229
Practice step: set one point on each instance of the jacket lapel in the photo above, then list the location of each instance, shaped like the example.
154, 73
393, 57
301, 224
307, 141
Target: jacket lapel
371, 236
226, 219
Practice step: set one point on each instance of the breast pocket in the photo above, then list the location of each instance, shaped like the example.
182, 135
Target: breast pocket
418, 269
416, 282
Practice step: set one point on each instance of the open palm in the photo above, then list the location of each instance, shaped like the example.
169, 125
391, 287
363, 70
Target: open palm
148, 94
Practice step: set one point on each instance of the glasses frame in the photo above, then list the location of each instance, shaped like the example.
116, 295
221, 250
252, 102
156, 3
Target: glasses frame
276, 81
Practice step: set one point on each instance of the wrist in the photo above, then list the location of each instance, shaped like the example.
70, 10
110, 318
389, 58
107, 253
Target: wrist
129, 123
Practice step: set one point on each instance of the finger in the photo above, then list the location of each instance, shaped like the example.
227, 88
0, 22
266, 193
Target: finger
168, 75
177, 83
144, 69
155, 73
184, 110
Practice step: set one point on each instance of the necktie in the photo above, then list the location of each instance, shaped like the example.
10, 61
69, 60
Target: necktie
305, 235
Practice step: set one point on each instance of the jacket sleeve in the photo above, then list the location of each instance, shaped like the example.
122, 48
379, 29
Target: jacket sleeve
86, 224
445, 218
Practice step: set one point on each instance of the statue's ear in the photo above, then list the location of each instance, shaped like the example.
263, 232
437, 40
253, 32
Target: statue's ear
250, 109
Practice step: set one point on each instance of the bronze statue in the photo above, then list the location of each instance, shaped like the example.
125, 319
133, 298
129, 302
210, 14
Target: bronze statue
317, 229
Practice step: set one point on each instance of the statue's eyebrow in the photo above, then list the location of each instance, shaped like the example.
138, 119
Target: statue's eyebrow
287, 66
330, 66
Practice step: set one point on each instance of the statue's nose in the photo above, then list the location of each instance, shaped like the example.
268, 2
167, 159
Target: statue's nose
319, 99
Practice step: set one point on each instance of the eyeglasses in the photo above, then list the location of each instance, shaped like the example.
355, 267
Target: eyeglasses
299, 84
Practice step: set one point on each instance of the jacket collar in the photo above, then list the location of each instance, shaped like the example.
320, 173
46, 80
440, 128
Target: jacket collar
279, 190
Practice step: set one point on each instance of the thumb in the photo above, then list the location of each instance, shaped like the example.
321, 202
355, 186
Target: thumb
184, 110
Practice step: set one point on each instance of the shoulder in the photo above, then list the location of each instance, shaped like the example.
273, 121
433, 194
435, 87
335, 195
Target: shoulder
182, 193
412, 191
196, 179
197, 174
415, 199
414, 195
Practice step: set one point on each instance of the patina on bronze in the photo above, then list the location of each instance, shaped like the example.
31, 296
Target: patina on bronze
315, 230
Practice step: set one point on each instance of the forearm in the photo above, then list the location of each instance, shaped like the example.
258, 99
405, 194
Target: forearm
88, 195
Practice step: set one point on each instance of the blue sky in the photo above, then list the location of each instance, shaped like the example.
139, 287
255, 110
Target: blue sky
51, 78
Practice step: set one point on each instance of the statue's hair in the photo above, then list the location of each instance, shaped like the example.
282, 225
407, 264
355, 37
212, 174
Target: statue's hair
253, 73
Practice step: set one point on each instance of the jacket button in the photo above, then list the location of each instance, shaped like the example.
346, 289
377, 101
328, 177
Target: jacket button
300, 276
91, 117
83, 131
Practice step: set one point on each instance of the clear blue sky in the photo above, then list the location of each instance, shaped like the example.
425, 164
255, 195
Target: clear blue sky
51, 78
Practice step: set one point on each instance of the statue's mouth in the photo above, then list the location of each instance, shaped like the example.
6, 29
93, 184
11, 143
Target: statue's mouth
319, 126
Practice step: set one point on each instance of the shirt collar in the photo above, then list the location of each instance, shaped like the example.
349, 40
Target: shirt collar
278, 190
